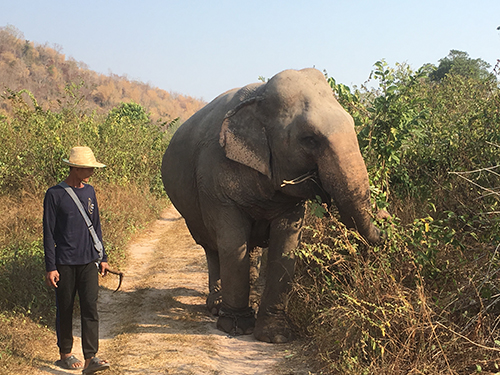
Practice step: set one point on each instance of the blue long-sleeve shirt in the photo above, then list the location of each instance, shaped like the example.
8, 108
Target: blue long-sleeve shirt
66, 238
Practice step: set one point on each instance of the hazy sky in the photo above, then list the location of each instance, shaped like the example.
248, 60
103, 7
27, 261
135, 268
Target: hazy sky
203, 48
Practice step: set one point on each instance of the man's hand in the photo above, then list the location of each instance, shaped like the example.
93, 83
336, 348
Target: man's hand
52, 278
104, 267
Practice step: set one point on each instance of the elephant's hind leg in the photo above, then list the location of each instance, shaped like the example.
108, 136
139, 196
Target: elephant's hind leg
214, 299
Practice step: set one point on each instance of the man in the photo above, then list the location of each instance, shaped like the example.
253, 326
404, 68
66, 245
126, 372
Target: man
71, 260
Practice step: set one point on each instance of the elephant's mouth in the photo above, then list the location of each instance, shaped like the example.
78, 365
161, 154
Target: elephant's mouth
312, 176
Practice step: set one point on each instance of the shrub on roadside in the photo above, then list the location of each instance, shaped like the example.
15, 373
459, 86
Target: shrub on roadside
426, 300
384, 309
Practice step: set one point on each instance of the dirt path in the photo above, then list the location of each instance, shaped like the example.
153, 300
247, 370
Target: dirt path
158, 324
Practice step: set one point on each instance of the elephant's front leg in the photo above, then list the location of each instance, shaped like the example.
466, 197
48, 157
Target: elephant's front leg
271, 323
235, 316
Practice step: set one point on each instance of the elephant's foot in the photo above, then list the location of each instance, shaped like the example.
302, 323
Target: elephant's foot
214, 299
273, 328
236, 321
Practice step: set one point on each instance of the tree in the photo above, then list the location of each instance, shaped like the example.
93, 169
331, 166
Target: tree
459, 63
133, 111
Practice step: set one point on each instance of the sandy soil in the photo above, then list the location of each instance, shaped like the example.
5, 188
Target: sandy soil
158, 323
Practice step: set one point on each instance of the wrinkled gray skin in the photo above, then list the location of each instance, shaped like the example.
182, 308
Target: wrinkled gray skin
224, 170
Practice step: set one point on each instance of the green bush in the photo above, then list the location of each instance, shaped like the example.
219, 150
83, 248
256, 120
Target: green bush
36, 140
21, 280
137, 147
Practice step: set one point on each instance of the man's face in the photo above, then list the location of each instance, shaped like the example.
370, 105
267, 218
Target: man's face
84, 173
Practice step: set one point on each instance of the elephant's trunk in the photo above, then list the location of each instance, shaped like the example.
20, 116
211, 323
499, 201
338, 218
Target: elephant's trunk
343, 174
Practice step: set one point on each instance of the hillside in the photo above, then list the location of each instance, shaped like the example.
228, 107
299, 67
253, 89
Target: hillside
48, 74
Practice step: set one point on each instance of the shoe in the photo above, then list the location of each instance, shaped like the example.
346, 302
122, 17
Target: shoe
67, 363
95, 365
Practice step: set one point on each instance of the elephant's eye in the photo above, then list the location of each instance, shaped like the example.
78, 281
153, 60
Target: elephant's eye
310, 142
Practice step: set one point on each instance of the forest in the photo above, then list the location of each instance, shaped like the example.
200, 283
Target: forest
426, 301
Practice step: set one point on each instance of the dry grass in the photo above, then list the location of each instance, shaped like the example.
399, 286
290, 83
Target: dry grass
20, 218
124, 210
376, 310
23, 344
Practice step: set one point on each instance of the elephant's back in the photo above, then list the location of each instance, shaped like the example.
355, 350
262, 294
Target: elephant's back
196, 138
199, 131
194, 154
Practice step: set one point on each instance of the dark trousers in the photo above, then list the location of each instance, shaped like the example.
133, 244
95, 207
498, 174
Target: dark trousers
84, 280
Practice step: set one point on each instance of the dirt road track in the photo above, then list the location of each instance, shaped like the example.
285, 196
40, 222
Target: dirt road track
158, 324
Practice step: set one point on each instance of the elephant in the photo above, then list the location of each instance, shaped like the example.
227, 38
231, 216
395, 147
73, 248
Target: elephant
240, 171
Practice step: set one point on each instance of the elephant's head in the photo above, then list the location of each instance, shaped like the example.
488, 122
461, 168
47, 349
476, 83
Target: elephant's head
293, 126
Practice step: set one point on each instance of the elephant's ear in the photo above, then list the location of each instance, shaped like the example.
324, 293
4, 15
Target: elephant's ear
244, 138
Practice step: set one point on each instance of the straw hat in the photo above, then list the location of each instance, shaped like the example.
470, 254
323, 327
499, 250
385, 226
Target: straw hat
82, 157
